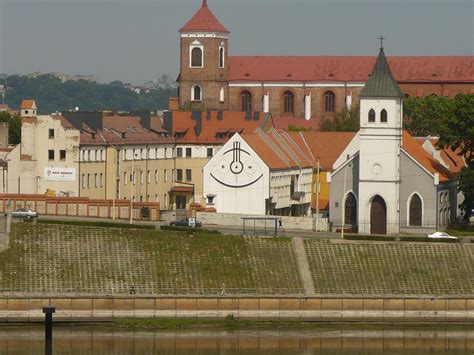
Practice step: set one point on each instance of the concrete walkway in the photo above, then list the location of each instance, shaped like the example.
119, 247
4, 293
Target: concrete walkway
303, 266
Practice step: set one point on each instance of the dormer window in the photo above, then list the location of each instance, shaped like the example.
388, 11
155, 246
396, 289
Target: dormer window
196, 93
383, 116
196, 55
371, 115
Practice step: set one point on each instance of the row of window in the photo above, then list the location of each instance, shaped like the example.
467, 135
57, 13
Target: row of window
197, 56
87, 182
92, 155
52, 155
383, 116
139, 154
289, 101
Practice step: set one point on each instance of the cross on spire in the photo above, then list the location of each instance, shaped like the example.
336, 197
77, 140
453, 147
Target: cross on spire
381, 42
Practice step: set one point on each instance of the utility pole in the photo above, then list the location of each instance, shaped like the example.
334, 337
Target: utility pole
317, 198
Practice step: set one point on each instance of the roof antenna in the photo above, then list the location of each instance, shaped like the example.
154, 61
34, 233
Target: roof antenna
204, 2
381, 40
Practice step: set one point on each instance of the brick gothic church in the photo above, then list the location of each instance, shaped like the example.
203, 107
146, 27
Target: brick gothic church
313, 87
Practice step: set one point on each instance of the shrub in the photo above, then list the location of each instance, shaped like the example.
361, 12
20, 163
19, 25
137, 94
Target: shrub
96, 224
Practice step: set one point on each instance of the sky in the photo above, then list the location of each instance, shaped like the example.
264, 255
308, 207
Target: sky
137, 40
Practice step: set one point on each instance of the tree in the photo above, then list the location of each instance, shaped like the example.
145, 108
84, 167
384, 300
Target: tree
14, 127
457, 131
347, 120
295, 128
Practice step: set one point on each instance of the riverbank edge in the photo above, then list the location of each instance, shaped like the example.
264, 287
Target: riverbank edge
310, 309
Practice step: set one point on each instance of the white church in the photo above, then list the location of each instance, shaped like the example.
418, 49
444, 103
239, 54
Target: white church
384, 182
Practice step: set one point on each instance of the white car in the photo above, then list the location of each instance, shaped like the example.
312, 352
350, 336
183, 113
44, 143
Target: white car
441, 235
24, 213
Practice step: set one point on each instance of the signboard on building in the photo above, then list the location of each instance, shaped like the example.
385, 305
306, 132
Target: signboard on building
59, 174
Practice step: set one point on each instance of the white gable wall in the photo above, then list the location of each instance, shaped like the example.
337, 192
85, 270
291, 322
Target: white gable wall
242, 188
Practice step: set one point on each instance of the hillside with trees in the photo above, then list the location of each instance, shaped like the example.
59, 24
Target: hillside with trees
52, 94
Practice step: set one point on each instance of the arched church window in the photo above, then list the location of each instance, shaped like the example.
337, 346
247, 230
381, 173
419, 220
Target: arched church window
383, 116
329, 101
246, 101
371, 115
221, 57
196, 57
416, 208
196, 93
289, 102
350, 210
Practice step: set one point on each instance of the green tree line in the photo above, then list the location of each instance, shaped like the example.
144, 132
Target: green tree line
51, 95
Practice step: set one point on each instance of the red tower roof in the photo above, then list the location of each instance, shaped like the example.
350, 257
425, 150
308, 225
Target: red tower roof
204, 20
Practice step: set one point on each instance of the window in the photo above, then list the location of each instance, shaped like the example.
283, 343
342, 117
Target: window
51, 133
95, 180
133, 178
142, 177
211, 199
148, 177
196, 57
101, 180
83, 181
88, 181
246, 101
156, 175
415, 211
371, 115
210, 152
125, 178
179, 174
179, 152
196, 93
188, 174
329, 101
350, 210
62, 155
289, 101
188, 152
50, 154
383, 116
221, 57
173, 177
166, 175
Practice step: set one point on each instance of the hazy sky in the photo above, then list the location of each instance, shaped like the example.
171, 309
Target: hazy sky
137, 40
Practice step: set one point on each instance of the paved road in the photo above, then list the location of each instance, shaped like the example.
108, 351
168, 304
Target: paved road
234, 230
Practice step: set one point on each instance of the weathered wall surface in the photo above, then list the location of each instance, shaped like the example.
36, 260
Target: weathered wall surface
230, 219
316, 309
77, 207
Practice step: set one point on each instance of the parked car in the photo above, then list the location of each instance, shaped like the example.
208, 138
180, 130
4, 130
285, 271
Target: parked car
184, 223
24, 213
441, 235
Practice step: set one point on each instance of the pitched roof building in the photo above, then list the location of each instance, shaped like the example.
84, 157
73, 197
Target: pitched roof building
291, 87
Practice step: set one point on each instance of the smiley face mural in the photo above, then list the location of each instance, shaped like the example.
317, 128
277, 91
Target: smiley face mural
238, 178
238, 170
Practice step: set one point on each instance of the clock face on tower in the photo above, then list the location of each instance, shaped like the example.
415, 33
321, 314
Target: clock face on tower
237, 169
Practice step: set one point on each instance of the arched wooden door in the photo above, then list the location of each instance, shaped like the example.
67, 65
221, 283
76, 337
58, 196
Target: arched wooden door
378, 216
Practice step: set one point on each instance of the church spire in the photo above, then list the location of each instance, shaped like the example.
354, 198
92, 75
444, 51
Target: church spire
204, 20
381, 82
204, 2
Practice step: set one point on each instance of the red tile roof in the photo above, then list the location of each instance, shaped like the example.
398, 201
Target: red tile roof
417, 152
327, 146
182, 189
349, 68
204, 20
450, 157
27, 104
278, 150
213, 130
285, 121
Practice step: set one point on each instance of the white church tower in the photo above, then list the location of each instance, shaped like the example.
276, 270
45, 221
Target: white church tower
381, 122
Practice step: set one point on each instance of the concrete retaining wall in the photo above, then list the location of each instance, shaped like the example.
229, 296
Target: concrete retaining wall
229, 219
314, 309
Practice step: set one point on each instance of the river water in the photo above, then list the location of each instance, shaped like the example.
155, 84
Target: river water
99, 340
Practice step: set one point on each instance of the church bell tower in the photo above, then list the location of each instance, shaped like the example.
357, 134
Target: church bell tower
203, 82
381, 123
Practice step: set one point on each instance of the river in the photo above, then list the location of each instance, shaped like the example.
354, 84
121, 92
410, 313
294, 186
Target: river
29, 339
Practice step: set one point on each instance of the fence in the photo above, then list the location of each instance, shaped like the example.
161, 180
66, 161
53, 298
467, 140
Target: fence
79, 206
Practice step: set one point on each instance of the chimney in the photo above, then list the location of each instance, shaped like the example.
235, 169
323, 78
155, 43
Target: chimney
145, 118
168, 121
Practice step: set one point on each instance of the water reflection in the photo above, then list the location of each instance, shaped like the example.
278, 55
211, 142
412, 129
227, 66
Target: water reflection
95, 340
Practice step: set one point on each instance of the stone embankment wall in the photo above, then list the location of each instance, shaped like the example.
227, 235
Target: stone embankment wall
229, 219
78, 206
310, 309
